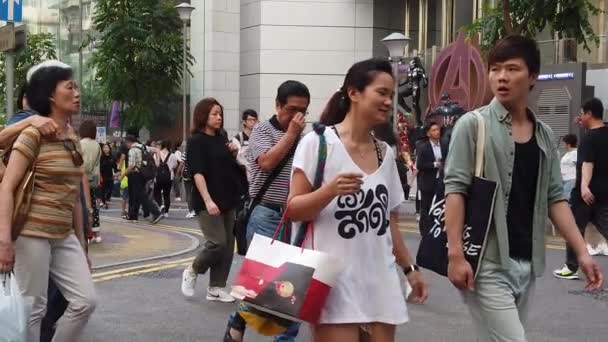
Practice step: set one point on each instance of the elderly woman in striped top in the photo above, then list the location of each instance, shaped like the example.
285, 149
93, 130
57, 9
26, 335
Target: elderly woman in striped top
51, 242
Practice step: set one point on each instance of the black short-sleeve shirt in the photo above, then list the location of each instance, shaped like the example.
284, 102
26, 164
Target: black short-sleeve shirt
209, 156
520, 213
594, 149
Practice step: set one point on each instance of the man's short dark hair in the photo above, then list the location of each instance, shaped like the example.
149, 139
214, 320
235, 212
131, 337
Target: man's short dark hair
249, 112
515, 46
595, 106
130, 139
291, 88
570, 139
430, 125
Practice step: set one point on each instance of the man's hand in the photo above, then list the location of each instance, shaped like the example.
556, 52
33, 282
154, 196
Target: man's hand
420, 289
46, 126
587, 195
592, 272
297, 124
7, 256
460, 273
212, 208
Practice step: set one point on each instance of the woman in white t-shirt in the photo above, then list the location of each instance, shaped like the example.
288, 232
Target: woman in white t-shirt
355, 211
568, 164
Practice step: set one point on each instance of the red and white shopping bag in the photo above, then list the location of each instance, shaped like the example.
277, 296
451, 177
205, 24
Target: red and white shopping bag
285, 280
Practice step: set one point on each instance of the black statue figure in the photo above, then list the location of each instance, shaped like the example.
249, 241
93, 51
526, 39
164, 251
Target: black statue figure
447, 114
416, 78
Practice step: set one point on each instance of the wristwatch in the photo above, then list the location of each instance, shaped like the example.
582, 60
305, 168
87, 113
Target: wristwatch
411, 268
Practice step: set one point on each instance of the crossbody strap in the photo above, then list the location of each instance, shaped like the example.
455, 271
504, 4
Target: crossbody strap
480, 145
275, 173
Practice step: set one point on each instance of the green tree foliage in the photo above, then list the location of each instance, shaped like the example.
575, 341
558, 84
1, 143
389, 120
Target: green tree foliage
138, 55
567, 18
40, 47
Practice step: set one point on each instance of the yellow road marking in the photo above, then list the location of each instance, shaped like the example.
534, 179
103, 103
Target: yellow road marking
127, 269
144, 271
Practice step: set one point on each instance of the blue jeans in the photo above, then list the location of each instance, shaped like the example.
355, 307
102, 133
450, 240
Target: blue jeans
568, 186
263, 221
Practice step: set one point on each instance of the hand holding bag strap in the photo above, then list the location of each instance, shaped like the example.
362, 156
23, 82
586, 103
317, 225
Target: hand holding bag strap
480, 145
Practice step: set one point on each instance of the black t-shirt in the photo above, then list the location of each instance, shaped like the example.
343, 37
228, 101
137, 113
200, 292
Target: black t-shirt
594, 149
209, 156
520, 213
107, 166
242, 138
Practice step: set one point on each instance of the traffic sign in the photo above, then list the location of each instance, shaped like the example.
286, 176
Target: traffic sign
11, 10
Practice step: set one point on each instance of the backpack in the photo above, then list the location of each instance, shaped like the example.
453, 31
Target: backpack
163, 173
148, 165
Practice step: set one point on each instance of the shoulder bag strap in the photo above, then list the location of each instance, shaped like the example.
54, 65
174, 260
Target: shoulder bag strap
275, 172
480, 145
307, 228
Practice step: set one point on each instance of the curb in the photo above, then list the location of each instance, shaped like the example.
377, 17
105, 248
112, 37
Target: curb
195, 243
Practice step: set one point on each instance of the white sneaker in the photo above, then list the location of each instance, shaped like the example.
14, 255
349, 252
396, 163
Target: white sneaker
97, 239
602, 249
566, 273
219, 295
190, 214
166, 215
592, 251
188, 282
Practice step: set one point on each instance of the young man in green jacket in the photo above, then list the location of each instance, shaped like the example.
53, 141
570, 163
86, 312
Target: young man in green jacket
521, 157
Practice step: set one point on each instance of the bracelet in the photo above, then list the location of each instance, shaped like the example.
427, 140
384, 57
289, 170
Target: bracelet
411, 268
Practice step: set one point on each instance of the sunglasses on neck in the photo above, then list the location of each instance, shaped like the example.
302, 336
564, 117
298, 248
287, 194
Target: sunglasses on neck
69, 145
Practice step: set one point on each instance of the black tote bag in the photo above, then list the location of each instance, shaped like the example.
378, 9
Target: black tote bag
433, 249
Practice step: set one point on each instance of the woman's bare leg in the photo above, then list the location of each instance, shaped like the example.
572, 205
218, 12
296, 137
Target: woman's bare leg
336, 332
378, 332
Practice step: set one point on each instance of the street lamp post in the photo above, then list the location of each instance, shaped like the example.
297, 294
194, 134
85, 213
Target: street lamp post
184, 10
396, 44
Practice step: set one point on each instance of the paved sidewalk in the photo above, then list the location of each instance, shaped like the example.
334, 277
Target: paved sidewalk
124, 242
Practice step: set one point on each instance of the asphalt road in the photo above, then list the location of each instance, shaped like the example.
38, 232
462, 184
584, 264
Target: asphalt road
146, 305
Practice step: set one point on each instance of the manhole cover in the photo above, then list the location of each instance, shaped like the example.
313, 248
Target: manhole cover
601, 295
171, 273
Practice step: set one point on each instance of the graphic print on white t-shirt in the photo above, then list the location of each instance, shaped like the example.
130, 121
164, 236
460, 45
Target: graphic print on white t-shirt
355, 229
363, 212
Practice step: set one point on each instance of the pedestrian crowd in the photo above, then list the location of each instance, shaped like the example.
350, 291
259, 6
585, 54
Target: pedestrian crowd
345, 178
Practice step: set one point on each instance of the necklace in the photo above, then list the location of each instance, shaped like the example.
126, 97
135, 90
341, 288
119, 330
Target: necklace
349, 148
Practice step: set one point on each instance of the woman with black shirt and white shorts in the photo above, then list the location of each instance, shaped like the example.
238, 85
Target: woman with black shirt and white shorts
217, 188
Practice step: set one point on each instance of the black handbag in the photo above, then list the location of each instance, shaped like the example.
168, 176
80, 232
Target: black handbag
433, 251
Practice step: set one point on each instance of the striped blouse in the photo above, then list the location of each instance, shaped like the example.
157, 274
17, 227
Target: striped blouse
56, 185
